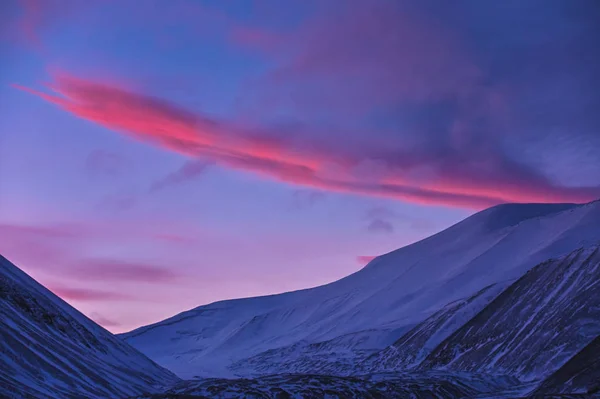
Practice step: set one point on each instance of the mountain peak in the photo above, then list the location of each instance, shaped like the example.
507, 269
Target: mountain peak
508, 215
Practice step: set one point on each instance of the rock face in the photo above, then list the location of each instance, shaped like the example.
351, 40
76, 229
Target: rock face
581, 374
50, 350
534, 326
411, 349
339, 356
393, 294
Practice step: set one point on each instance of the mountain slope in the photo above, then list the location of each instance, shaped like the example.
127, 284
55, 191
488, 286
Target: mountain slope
412, 348
50, 350
394, 292
581, 374
338, 356
355, 353
534, 326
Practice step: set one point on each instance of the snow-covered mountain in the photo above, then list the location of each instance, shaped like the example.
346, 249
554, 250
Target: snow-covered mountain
535, 326
380, 303
50, 350
356, 353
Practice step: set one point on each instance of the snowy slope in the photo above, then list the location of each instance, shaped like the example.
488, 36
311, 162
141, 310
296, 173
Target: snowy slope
394, 292
412, 348
339, 356
581, 374
50, 350
534, 326
357, 353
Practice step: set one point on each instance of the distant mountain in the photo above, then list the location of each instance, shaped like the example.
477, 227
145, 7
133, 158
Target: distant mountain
535, 326
440, 281
50, 350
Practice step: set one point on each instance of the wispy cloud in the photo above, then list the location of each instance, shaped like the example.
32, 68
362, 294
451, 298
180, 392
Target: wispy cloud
174, 238
102, 163
380, 226
61, 249
87, 294
188, 171
455, 181
379, 220
383, 219
118, 270
364, 259
103, 321
302, 199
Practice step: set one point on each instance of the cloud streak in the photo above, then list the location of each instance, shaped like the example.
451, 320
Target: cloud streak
117, 270
190, 170
101, 163
485, 180
103, 321
87, 294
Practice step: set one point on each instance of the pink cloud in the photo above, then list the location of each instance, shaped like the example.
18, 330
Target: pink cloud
33, 245
118, 270
61, 249
364, 259
174, 238
103, 321
454, 181
87, 294
380, 226
54, 231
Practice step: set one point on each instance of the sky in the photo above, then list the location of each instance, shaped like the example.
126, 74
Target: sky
160, 155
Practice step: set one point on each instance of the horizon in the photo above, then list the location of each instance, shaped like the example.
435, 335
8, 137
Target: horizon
159, 159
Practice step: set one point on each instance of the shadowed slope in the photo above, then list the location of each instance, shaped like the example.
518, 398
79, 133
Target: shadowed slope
50, 350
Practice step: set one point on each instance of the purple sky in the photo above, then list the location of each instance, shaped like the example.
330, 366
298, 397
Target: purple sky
157, 157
